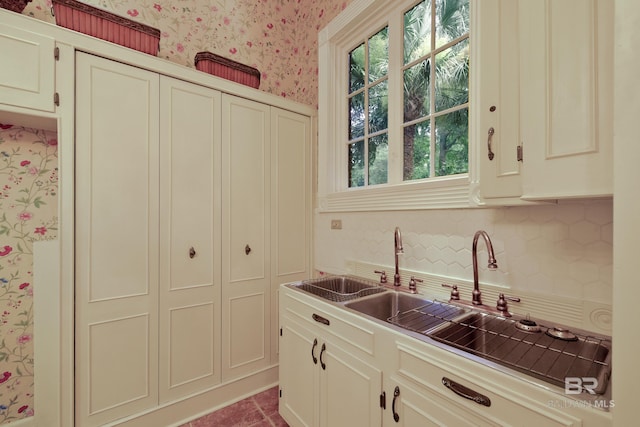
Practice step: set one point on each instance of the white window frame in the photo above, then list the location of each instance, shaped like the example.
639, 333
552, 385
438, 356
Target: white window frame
361, 19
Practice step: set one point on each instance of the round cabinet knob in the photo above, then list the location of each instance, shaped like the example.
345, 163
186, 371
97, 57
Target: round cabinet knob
247, 249
192, 252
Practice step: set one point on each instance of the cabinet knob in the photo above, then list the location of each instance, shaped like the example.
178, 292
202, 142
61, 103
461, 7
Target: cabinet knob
247, 249
192, 252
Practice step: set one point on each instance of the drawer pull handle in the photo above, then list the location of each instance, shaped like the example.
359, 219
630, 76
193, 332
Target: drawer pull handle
322, 349
466, 392
396, 394
320, 319
247, 249
490, 153
313, 349
192, 252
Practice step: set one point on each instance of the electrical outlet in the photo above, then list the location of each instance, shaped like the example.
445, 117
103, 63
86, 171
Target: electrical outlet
336, 224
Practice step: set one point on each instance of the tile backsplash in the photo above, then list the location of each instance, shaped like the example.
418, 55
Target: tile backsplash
563, 249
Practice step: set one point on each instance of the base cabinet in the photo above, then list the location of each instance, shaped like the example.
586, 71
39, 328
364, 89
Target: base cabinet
330, 376
323, 382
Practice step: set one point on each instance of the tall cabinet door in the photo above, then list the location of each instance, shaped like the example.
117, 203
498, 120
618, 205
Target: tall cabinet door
190, 310
291, 205
116, 240
245, 236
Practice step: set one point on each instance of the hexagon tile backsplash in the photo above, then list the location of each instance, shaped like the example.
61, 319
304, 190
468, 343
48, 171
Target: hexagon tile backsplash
563, 249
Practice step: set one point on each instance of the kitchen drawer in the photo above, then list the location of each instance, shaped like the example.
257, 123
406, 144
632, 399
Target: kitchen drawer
356, 335
494, 405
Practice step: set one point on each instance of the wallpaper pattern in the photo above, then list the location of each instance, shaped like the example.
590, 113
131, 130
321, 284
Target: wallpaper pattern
28, 213
278, 37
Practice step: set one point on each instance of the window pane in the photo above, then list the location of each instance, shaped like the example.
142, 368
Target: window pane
379, 55
356, 116
356, 68
417, 31
452, 76
378, 155
356, 164
452, 20
452, 143
417, 143
378, 107
416, 91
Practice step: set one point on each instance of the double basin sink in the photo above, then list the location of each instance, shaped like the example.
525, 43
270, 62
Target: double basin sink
535, 351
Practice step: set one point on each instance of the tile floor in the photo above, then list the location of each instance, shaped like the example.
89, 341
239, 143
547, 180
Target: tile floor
259, 410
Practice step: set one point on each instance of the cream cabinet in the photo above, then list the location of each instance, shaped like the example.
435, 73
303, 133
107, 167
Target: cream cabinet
246, 183
190, 322
545, 99
266, 231
27, 74
498, 70
325, 380
117, 241
566, 62
332, 361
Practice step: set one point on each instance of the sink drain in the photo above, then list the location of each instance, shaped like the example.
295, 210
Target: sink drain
527, 325
562, 334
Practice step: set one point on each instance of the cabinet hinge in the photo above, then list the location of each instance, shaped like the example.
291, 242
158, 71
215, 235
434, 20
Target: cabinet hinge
56, 99
280, 392
383, 400
56, 53
280, 331
519, 153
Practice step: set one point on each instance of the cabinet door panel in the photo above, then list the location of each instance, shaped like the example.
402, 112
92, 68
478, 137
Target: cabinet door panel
298, 374
349, 390
190, 232
498, 71
27, 71
566, 109
246, 309
116, 239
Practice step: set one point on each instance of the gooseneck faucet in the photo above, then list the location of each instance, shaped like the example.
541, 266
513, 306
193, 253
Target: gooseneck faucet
492, 265
397, 238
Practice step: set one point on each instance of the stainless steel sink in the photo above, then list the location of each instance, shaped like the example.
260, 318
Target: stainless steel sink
405, 310
537, 354
340, 288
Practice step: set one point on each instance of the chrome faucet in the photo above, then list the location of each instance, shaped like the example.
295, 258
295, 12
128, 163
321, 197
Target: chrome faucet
397, 238
492, 265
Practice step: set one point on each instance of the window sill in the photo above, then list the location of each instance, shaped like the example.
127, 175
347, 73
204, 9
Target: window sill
446, 193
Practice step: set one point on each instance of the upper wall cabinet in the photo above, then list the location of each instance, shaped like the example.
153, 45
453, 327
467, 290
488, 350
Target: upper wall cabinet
566, 64
498, 109
27, 71
545, 80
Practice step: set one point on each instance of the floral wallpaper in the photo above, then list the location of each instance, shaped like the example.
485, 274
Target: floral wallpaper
28, 213
278, 37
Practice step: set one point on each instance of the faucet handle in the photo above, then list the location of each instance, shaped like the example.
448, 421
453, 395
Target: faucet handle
501, 304
383, 275
412, 284
455, 295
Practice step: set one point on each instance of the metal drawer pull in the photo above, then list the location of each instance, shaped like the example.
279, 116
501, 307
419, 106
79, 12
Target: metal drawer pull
320, 319
466, 392
396, 393
192, 252
322, 349
313, 349
491, 132
247, 249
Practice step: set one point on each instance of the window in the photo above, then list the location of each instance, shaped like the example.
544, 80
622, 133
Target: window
394, 103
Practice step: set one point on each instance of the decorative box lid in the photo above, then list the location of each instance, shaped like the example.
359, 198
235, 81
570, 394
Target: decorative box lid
101, 13
208, 56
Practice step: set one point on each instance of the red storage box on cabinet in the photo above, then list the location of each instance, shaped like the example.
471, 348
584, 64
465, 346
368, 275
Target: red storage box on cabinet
14, 5
107, 26
227, 69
